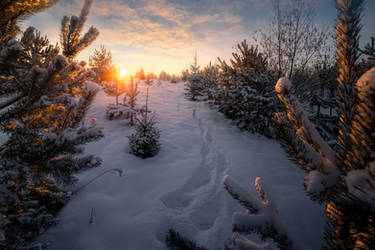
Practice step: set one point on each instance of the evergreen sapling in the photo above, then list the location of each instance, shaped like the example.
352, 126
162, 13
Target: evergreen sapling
144, 143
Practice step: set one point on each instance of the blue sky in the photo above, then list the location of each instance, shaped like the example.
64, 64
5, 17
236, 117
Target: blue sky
163, 34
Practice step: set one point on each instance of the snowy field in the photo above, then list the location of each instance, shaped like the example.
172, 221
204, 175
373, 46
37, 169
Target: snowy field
180, 188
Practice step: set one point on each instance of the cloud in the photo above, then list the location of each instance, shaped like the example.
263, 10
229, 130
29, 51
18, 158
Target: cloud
156, 33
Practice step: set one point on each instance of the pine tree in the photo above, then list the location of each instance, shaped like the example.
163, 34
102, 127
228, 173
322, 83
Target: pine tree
245, 92
344, 178
210, 80
144, 143
194, 87
130, 100
101, 64
44, 119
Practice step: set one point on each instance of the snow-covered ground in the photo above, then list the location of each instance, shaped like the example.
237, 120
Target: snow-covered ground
180, 188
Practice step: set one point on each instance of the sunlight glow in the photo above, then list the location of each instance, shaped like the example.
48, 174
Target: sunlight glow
123, 73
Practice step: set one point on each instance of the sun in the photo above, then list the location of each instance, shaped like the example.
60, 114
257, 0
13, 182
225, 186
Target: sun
123, 73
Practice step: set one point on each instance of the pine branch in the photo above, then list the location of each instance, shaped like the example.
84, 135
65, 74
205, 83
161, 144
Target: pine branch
324, 172
239, 193
175, 241
264, 220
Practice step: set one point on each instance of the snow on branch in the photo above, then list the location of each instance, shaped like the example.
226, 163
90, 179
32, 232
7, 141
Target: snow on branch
71, 28
324, 172
360, 180
261, 217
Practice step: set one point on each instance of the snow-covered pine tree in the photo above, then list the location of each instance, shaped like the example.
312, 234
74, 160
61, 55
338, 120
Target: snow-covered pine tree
15, 11
210, 74
101, 63
194, 87
246, 93
343, 178
345, 183
144, 143
43, 116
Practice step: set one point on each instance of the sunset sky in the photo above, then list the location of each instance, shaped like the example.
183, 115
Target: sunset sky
163, 34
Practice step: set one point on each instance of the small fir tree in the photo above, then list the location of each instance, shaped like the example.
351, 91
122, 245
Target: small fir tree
127, 109
210, 81
144, 143
245, 91
101, 64
194, 87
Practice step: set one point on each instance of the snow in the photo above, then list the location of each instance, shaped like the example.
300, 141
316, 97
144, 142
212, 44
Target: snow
283, 85
181, 187
361, 184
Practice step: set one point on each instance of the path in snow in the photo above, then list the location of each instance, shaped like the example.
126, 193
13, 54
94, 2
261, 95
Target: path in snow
181, 187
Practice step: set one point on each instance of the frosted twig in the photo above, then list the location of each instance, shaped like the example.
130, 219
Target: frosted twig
119, 171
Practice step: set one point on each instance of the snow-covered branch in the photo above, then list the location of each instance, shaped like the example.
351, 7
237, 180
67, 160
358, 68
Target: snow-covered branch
323, 171
261, 217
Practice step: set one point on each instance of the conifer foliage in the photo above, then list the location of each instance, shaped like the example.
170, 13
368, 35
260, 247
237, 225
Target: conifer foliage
13, 11
194, 87
175, 241
144, 143
128, 108
71, 28
261, 217
47, 96
101, 64
244, 90
344, 178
